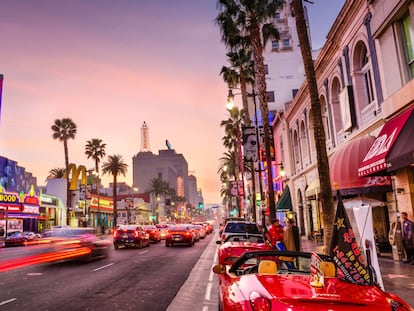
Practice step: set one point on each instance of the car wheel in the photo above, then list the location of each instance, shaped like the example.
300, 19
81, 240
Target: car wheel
116, 246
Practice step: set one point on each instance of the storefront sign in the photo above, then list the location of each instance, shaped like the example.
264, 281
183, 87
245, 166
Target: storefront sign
8, 198
32, 209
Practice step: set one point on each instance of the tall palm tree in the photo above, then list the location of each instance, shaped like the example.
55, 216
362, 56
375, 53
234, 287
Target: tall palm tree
115, 166
158, 188
240, 73
95, 149
58, 172
63, 130
319, 132
252, 21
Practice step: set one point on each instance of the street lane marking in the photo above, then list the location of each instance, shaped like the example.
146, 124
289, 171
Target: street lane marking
143, 252
7, 301
34, 273
207, 296
103, 267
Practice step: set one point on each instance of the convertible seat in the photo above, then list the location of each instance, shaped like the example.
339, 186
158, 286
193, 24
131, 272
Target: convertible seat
267, 267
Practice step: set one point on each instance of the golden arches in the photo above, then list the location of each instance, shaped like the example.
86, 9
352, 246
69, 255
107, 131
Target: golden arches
75, 172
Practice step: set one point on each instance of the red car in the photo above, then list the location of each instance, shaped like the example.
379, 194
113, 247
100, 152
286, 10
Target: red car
289, 281
131, 235
236, 245
179, 234
154, 233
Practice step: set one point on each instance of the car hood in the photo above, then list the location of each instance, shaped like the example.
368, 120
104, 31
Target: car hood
295, 290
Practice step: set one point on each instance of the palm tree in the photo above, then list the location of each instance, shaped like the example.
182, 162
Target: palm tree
58, 172
63, 130
240, 73
115, 166
95, 149
242, 21
319, 132
158, 188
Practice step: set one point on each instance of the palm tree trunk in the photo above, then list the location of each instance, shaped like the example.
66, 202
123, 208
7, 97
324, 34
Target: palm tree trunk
261, 88
115, 212
68, 196
319, 132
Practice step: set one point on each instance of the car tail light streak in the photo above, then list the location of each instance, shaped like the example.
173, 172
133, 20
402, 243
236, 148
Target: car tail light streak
136, 233
259, 303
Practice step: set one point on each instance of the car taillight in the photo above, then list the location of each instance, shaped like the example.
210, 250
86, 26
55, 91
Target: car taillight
188, 233
259, 303
115, 233
136, 233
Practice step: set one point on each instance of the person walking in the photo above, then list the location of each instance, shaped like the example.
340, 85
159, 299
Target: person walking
407, 237
276, 233
288, 238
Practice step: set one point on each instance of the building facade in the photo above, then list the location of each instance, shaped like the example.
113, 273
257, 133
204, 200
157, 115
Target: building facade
364, 75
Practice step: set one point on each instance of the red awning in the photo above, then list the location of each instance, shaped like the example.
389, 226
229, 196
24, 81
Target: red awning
343, 167
374, 161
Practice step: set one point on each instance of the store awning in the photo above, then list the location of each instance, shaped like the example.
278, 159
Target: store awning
343, 168
313, 188
374, 161
285, 202
402, 154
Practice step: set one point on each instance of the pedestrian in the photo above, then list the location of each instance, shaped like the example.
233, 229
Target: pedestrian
407, 237
275, 233
288, 239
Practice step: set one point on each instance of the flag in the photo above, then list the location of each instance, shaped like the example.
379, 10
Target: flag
1, 90
345, 251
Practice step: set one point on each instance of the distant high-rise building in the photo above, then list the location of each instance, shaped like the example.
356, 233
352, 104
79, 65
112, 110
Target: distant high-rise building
167, 165
145, 138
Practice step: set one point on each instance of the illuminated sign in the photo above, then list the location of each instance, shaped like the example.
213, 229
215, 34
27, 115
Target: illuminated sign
32, 209
8, 198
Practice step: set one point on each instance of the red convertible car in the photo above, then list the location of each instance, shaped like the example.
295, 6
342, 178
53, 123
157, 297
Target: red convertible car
236, 245
288, 281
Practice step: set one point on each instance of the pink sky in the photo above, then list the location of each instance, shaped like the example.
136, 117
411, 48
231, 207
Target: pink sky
110, 66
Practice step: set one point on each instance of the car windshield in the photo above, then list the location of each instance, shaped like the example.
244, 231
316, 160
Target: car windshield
240, 227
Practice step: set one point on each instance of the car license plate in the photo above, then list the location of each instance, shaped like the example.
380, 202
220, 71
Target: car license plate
125, 236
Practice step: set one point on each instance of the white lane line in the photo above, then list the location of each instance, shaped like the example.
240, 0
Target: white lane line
103, 267
143, 252
7, 301
207, 296
211, 275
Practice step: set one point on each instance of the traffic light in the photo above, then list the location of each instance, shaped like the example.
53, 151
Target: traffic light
200, 205
153, 217
232, 213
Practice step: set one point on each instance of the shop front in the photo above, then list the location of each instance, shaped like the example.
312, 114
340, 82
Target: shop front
100, 211
19, 212
51, 213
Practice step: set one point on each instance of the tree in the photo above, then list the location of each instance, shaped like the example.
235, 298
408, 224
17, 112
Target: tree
319, 131
63, 130
58, 172
95, 149
157, 188
242, 21
114, 166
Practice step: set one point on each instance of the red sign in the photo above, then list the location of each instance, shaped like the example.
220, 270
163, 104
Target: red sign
375, 159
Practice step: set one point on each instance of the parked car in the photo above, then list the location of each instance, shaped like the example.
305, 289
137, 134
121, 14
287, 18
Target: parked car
285, 280
180, 234
201, 231
236, 245
154, 233
240, 227
130, 236
68, 243
14, 238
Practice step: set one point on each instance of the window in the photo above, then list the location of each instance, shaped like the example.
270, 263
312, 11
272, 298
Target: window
277, 16
366, 73
286, 43
266, 69
275, 45
270, 96
408, 38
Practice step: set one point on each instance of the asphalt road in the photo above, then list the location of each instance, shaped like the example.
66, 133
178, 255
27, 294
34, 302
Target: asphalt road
129, 279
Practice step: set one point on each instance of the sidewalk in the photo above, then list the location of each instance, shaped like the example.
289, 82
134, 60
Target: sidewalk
398, 278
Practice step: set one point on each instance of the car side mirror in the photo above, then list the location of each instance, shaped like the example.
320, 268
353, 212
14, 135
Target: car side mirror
218, 242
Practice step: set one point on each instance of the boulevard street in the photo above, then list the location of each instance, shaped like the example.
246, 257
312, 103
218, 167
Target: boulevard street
129, 279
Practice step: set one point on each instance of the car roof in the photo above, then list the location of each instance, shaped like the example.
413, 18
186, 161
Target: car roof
128, 227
